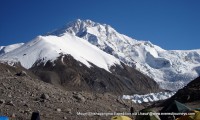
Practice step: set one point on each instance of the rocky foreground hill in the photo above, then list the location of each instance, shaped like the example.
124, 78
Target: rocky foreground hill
23, 93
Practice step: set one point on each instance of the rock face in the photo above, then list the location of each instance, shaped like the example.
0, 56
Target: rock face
22, 73
45, 96
73, 75
79, 97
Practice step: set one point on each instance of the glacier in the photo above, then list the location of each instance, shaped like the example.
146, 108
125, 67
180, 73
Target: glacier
151, 97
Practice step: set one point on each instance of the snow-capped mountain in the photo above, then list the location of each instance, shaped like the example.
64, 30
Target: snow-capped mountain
101, 45
172, 69
72, 62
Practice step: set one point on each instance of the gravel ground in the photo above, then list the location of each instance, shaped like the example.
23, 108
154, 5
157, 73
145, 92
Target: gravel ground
24, 93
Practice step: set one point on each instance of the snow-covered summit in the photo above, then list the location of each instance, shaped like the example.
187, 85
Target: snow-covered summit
82, 27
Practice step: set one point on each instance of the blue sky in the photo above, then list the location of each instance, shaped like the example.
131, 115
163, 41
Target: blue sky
171, 24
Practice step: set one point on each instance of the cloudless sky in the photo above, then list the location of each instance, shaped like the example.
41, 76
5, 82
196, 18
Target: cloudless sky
170, 24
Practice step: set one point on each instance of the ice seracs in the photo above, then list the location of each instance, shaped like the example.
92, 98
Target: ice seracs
152, 97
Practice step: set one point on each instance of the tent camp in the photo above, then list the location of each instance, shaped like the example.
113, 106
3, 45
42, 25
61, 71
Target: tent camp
120, 118
149, 116
174, 107
196, 116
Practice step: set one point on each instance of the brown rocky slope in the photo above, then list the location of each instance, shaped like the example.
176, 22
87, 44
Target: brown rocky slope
24, 93
73, 75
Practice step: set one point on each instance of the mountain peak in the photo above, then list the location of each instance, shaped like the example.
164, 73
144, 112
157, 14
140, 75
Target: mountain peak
79, 27
81, 23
